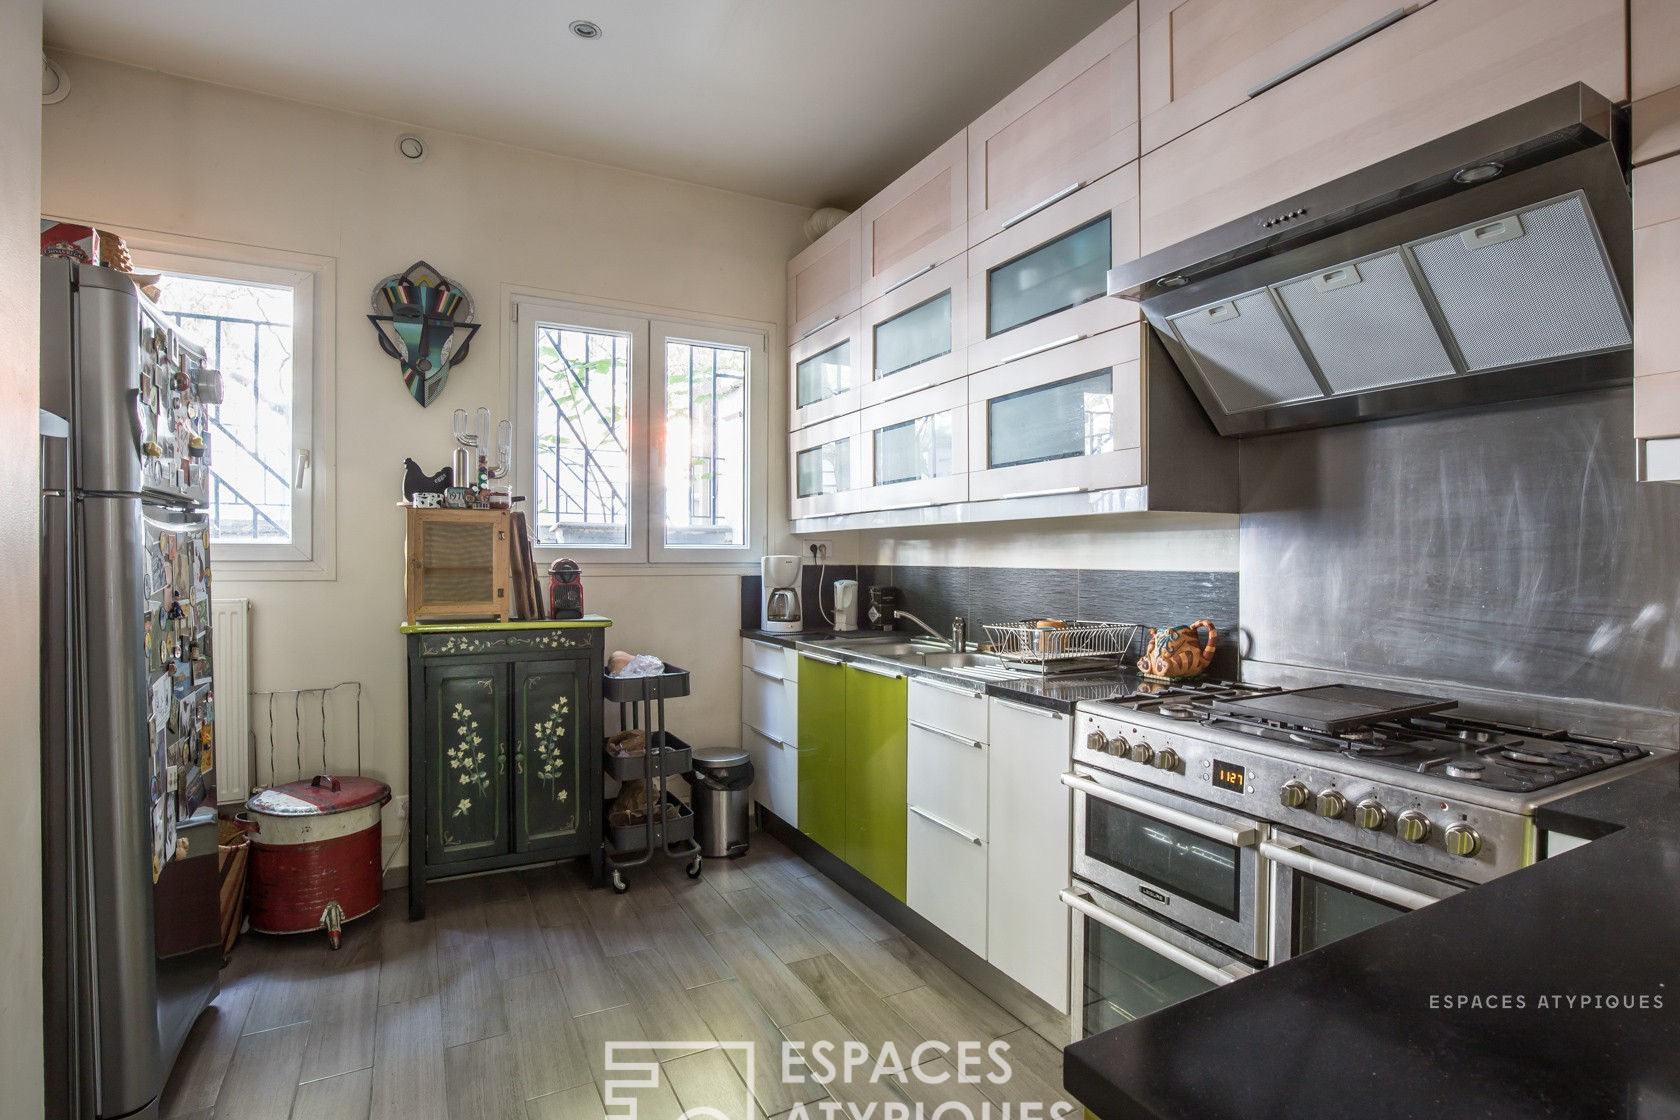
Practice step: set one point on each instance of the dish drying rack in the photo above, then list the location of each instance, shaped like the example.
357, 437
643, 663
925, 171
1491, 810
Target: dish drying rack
1061, 648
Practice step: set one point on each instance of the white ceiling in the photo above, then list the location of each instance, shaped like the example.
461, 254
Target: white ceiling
815, 102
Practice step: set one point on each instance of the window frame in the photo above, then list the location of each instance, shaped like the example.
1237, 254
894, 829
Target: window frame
649, 329
309, 555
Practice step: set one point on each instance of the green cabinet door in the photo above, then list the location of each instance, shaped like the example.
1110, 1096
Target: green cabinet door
822, 752
552, 714
876, 767
467, 738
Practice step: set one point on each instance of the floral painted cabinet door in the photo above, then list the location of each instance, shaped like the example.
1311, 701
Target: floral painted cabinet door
467, 725
552, 715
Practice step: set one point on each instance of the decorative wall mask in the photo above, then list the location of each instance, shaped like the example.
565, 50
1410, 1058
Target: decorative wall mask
424, 320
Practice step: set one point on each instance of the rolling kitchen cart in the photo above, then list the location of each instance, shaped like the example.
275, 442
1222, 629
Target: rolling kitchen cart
670, 830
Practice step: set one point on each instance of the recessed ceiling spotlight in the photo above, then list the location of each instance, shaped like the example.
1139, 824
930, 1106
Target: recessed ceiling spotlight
585, 29
411, 148
1479, 173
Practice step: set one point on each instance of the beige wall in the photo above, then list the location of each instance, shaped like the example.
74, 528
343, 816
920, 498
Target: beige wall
20, 747
146, 151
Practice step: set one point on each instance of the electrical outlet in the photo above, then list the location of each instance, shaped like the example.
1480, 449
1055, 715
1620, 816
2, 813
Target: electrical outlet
402, 808
817, 551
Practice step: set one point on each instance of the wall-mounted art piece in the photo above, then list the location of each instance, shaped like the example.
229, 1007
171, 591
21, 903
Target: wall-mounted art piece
425, 321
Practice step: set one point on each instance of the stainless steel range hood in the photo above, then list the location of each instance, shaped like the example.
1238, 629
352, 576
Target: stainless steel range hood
1492, 264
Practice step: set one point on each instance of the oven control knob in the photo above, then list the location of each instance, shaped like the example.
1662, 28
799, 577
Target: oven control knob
1294, 795
1142, 753
1119, 746
1412, 826
1462, 840
1166, 759
1369, 814
1331, 804
1096, 741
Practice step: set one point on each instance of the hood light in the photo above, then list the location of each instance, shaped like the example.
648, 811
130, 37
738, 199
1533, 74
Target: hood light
1479, 173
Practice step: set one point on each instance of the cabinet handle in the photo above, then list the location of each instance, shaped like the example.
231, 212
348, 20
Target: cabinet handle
1213, 974
963, 739
946, 825
955, 690
818, 327
1297, 860
1042, 205
1029, 709
1335, 48
920, 272
822, 660
874, 672
1030, 351
1051, 492
761, 673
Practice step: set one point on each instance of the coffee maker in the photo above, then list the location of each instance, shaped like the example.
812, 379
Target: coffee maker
780, 578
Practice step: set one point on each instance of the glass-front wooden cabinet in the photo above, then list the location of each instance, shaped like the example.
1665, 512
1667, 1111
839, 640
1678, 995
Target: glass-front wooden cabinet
916, 336
916, 448
824, 459
826, 369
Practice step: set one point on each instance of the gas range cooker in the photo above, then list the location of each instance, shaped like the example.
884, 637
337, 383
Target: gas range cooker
1390, 773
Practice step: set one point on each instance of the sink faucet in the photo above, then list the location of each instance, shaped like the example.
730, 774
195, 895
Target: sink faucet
930, 630
959, 634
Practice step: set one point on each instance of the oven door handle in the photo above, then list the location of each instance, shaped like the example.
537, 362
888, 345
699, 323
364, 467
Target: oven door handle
1298, 860
1212, 973
1225, 834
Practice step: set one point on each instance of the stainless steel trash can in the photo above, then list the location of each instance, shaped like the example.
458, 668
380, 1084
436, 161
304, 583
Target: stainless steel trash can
722, 783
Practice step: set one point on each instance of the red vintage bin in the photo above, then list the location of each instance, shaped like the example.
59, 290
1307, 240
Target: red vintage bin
315, 854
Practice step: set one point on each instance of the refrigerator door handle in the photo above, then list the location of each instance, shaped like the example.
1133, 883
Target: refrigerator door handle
135, 428
169, 519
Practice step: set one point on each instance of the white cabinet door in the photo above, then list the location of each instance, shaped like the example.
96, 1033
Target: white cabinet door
825, 369
945, 878
826, 467
776, 773
1029, 817
947, 778
915, 449
825, 281
764, 704
917, 223
916, 336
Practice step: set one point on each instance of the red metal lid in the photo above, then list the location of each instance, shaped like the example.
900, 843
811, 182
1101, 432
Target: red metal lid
321, 796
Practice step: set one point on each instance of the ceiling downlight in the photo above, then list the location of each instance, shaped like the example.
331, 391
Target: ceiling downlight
585, 29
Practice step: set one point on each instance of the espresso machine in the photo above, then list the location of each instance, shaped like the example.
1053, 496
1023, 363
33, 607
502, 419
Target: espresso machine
782, 612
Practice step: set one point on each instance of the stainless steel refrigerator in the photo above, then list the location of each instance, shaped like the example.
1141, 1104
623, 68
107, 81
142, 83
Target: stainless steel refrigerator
128, 719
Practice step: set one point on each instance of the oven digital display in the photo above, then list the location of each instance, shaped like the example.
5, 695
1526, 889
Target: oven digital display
1228, 775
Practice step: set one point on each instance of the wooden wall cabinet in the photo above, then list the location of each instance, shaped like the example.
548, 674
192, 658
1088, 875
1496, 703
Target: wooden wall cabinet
1067, 126
823, 280
504, 733
825, 368
919, 222
1656, 328
1654, 27
1446, 66
916, 336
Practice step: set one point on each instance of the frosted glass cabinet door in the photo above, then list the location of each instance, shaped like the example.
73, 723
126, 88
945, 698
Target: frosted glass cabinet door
1044, 282
915, 336
825, 373
1069, 419
824, 460
916, 449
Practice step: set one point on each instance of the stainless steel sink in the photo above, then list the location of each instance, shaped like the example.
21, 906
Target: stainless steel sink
895, 648
958, 660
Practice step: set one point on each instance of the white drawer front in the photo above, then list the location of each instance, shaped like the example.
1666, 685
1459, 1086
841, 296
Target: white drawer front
947, 777
776, 777
764, 704
949, 707
946, 881
765, 657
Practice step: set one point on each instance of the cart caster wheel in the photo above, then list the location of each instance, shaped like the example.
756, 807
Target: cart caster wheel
694, 868
619, 886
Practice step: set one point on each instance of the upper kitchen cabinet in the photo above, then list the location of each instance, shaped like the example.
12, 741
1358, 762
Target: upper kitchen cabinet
824, 280
918, 223
1655, 34
1066, 127
825, 366
1198, 58
916, 336
1043, 282
1445, 66
1656, 330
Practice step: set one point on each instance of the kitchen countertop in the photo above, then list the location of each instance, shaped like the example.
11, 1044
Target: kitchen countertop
1053, 693
1369, 1026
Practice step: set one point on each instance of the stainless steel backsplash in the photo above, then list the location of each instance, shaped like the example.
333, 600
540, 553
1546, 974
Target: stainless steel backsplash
1504, 554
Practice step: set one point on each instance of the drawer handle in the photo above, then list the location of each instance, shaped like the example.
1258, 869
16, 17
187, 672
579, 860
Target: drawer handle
955, 690
820, 659
1213, 974
874, 672
963, 739
1029, 709
1042, 205
1030, 351
946, 825
1051, 492
1335, 48
760, 672
818, 327
916, 275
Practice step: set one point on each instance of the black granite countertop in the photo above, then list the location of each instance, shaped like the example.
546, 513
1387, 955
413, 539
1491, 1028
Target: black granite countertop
1497, 1003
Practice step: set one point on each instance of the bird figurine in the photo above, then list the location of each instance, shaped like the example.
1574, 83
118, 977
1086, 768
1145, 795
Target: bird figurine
417, 481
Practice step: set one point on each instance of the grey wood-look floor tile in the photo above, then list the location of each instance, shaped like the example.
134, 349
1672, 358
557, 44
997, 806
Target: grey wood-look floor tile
684, 948
263, 1075
407, 959
591, 984
515, 937
344, 1096
862, 916
861, 1090
469, 988
582, 1102
482, 1080
702, 902
936, 1018
652, 892
937, 1084
546, 1042
779, 991
1036, 1071
789, 940
884, 973
734, 1017
788, 889
862, 1012
707, 1080
976, 1006
618, 1025
203, 1062
554, 900
616, 921
408, 1062
343, 1022
661, 1003
201, 1114
726, 875
290, 969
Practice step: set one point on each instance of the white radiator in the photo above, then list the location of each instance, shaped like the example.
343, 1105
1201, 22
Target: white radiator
230, 669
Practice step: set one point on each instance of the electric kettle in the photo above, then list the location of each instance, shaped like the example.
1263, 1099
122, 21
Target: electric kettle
845, 604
